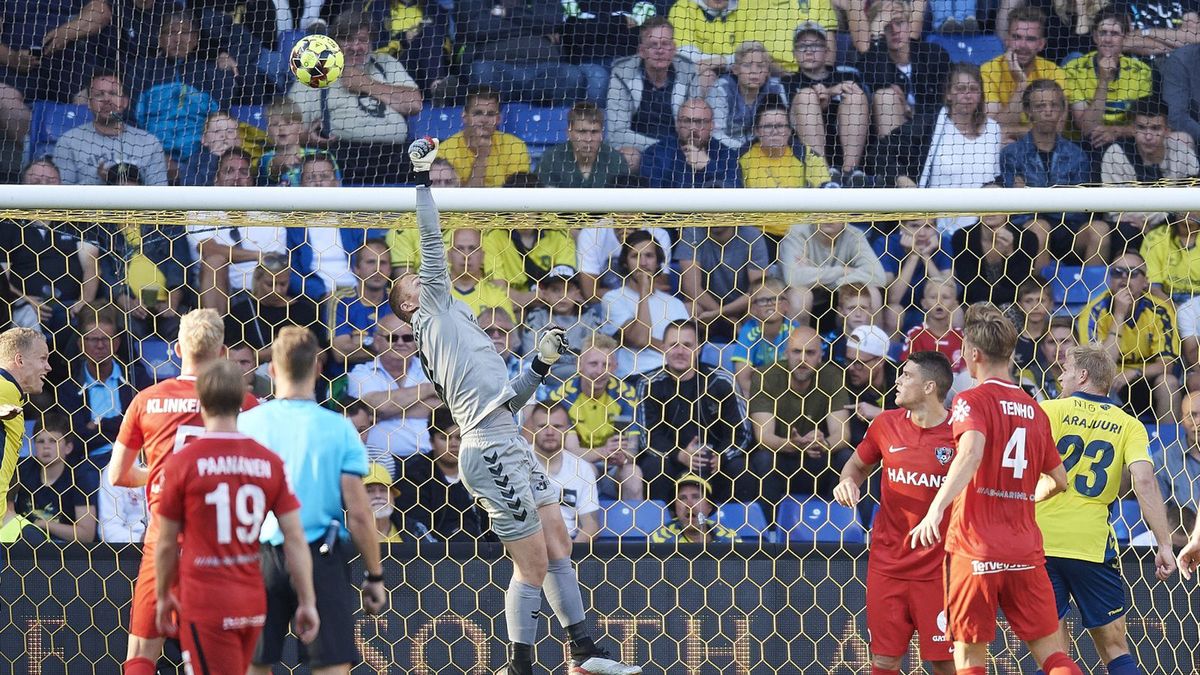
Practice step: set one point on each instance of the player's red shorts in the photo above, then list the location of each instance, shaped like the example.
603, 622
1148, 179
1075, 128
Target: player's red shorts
209, 649
976, 589
896, 608
145, 596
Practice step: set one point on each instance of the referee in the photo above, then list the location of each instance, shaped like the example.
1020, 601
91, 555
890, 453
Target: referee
325, 461
24, 363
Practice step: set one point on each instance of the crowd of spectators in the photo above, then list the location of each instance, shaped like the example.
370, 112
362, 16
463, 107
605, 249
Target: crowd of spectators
708, 364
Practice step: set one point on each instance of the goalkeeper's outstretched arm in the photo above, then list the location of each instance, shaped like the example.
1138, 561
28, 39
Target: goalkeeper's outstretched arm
434, 274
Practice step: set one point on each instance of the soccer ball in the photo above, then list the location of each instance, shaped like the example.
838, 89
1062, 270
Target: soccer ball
317, 60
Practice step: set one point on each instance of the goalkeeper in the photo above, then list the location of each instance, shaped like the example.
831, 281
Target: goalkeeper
496, 464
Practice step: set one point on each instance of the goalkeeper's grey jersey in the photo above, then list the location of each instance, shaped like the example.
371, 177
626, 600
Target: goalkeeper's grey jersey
458, 357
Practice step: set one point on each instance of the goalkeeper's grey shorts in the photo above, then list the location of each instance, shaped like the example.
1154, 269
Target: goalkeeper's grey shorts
498, 468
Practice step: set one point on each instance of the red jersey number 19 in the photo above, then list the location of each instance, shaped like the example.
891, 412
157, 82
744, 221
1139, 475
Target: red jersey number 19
1014, 453
250, 504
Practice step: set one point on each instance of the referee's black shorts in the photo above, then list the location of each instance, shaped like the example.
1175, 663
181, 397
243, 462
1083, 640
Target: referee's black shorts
337, 599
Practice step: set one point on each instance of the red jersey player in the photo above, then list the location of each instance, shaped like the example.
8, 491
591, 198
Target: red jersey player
915, 446
215, 492
159, 421
993, 545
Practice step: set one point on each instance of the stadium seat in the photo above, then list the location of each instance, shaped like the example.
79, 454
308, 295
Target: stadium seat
536, 125
748, 520
1126, 520
815, 520
441, 123
975, 49
254, 115
1074, 287
1162, 435
632, 520
50, 121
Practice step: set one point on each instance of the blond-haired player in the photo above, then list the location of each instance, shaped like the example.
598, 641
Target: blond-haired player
160, 420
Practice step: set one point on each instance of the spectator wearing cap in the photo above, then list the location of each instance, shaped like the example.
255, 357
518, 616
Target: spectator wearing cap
647, 91
389, 522
828, 105
870, 378
560, 303
431, 490
853, 305
601, 408
585, 160
84, 154
799, 409
256, 315
546, 427
638, 311
774, 25
905, 77
720, 267
691, 157
738, 94
395, 387
693, 421
692, 520
355, 312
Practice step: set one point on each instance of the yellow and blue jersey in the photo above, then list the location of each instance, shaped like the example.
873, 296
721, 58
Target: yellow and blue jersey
1096, 440
596, 419
14, 430
1149, 334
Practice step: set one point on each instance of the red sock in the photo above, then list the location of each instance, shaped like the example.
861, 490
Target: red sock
140, 665
977, 670
1059, 663
876, 670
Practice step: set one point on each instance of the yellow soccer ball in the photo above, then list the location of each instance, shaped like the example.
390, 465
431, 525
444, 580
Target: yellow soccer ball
317, 60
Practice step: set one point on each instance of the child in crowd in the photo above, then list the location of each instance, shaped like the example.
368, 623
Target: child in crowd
762, 337
854, 306
56, 497
735, 97
940, 331
280, 165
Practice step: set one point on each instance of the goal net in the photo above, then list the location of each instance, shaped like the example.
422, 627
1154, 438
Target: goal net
778, 589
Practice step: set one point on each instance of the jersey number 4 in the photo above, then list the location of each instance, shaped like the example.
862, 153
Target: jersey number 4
1014, 454
249, 505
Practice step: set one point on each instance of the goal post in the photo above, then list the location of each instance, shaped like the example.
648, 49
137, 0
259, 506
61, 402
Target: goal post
788, 598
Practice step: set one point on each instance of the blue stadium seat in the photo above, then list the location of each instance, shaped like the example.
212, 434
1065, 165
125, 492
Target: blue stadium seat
288, 39
1126, 520
1162, 435
1074, 287
50, 121
254, 115
27, 440
631, 520
748, 520
975, 49
815, 520
441, 123
536, 125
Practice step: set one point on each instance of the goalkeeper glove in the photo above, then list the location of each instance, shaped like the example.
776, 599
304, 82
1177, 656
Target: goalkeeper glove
552, 346
422, 152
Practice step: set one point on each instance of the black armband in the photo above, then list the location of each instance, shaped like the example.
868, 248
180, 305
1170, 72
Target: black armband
372, 578
422, 178
540, 367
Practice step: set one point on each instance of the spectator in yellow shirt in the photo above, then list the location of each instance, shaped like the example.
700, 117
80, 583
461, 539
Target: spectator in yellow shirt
1138, 330
705, 31
469, 281
774, 23
482, 155
1102, 86
776, 160
1006, 76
